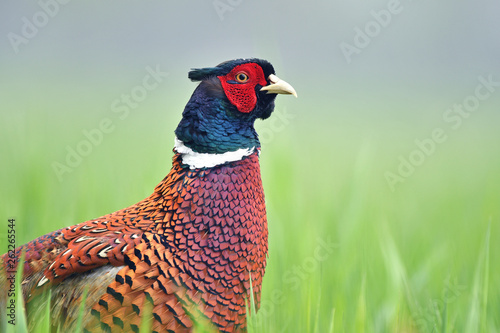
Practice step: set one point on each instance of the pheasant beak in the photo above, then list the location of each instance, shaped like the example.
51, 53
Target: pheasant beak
278, 86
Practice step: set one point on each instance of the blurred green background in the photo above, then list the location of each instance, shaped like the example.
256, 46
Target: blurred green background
350, 250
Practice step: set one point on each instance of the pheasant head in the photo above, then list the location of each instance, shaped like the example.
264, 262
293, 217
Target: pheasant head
221, 113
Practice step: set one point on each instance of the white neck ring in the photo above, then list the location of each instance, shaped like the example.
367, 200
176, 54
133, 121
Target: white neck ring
205, 160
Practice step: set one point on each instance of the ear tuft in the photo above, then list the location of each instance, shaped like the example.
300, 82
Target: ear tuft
200, 74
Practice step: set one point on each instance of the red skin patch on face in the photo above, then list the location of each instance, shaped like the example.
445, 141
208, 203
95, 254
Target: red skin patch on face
242, 95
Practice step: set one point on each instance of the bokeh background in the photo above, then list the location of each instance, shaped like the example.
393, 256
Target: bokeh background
373, 227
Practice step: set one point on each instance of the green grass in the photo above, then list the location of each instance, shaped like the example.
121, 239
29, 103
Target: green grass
347, 254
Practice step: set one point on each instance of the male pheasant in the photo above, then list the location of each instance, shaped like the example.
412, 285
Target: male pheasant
189, 253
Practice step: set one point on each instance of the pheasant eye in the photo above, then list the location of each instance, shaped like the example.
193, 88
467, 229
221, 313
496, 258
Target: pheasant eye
241, 77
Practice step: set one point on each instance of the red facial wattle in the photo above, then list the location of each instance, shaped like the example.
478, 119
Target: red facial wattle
241, 93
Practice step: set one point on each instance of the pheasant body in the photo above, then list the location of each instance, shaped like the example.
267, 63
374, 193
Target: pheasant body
189, 253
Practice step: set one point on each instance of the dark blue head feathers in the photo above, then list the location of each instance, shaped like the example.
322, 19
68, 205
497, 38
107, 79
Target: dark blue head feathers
200, 74
211, 123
